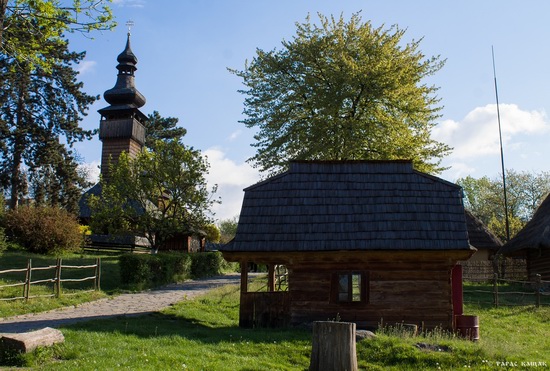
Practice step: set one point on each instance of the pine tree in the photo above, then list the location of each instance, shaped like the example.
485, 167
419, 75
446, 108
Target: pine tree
40, 111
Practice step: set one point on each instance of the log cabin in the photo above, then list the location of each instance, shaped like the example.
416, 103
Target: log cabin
532, 242
368, 242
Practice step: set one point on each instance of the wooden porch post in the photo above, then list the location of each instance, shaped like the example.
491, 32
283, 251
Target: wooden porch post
271, 277
244, 277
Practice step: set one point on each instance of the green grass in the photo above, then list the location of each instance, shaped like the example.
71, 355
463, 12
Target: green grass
73, 293
203, 334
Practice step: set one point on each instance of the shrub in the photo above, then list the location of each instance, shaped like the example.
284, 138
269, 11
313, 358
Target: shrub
206, 264
43, 230
140, 271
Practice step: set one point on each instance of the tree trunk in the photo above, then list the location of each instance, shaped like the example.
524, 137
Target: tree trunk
3, 5
29, 341
333, 347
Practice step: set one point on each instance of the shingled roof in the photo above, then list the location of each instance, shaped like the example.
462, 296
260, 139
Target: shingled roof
351, 205
535, 234
480, 237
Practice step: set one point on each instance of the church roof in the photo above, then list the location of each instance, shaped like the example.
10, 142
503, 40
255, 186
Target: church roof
124, 96
351, 205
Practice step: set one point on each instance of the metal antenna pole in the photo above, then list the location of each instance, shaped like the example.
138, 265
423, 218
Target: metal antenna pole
501, 152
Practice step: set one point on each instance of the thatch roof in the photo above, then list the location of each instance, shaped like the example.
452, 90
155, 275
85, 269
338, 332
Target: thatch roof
480, 237
535, 234
351, 205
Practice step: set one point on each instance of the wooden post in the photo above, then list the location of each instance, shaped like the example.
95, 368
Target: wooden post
28, 277
495, 290
244, 277
98, 274
333, 346
538, 287
58, 278
271, 277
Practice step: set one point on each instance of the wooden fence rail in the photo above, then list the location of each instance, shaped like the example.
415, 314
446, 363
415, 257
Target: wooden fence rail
535, 291
55, 279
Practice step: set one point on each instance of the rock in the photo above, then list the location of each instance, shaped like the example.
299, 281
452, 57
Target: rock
364, 334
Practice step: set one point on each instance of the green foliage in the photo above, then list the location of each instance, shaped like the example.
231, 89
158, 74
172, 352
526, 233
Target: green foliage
484, 197
228, 229
207, 264
342, 91
40, 112
44, 230
212, 233
141, 271
47, 21
162, 128
159, 194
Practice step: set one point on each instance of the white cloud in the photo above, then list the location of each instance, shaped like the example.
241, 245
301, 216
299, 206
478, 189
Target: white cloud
86, 66
92, 169
130, 3
234, 135
231, 178
477, 134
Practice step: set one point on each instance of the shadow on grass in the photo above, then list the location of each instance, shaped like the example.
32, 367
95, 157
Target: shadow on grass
158, 325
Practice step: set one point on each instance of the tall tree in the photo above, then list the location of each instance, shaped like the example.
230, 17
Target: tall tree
342, 91
485, 198
47, 20
40, 111
158, 194
162, 128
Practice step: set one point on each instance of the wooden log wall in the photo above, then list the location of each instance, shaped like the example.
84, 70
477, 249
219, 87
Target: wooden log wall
538, 262
400, 291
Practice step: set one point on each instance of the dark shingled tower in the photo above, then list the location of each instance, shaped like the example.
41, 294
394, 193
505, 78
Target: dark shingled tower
122, 123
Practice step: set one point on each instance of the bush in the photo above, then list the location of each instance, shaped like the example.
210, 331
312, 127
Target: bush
140, 271
43, 230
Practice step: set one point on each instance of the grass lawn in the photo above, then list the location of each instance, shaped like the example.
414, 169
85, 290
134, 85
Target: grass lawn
203, 334
73, 292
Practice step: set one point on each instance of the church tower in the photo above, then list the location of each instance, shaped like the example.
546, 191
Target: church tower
122, 123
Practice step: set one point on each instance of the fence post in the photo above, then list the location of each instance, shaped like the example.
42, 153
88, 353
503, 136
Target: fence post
538, 287
98, 274
495, 290
28, 277
58, 278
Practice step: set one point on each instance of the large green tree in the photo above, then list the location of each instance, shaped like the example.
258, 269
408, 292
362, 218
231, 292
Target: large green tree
162, 128
40, 112
342, 91
485, 198
158, 194
48, 21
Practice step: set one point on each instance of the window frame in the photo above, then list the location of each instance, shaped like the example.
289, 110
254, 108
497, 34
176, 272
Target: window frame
363, 289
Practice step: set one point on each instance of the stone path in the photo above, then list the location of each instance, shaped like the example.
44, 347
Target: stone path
121, 305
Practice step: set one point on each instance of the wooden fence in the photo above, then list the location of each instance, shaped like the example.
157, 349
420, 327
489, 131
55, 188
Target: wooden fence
507, 292
484, 270
55, 278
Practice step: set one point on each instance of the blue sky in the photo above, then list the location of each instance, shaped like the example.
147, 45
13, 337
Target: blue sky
185, 47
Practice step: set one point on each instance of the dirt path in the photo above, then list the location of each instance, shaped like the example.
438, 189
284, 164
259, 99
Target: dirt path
121, 305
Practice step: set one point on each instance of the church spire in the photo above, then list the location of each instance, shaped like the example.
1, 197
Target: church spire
122, 123
124, 96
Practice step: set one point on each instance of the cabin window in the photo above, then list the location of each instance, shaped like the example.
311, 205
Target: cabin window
351, 287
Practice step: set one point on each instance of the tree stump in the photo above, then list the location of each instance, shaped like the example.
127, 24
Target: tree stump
29, 341
333, 347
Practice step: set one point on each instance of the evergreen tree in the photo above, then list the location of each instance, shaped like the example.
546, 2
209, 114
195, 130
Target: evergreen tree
342, 91
40, 111
162, 128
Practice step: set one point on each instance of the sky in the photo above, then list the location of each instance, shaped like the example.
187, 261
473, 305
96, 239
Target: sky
185, 47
